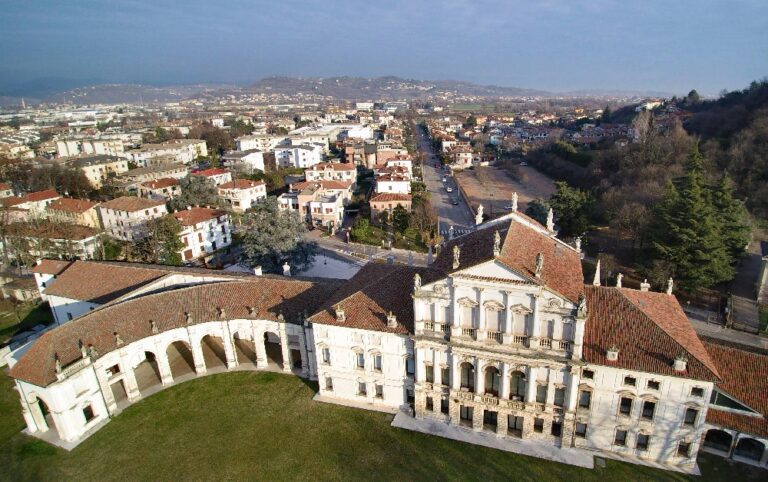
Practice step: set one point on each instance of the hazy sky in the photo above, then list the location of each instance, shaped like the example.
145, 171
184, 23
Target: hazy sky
671, 45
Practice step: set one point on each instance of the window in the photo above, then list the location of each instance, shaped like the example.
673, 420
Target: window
653, 385
620, 438
430, 404
585, 399
329, 384
541, 393
588, 374
409, 366
361, 389
631, 381
360, 360
445, 376
379, 391
88, 414
642, 441
697, 392
649, 408
557, 429
430, 372
625, 406
465, 413
515, 425
684, 449
443, 405
690, 416
327, 356
377, 363
559, 397
113, 370
581, 430
538, 425
517, 388
69, 316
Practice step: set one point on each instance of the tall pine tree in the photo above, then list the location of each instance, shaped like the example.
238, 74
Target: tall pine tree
687, 233
733, 218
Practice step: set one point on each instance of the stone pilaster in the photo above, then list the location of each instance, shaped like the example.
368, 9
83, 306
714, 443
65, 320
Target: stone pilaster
286, 352
536, 323
477, 418
504, 385
482, 326
530, 384
455, 372
479, 376
572, 394
502, 423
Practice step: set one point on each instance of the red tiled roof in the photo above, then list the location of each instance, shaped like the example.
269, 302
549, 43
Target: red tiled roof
51, 266
521, 245
335, 166
100, 283
323, 184
192, 216
744, 376
50, 230
131, 318
389, 197
161, 183
4, 186
71, 205
132, 203
210, 172
241, 184
40, 195
649, 330
371, 294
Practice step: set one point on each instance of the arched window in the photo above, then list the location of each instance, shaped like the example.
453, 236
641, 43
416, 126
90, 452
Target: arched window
517, 385
749, 448
468, 376
492, 381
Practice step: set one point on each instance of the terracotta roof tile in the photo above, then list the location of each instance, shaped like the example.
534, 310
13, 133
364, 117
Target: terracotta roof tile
388, 197
132, 203
131, 318
241, 184
210, 172
161, 183
333, 166
100, 283
40, 195
192, 216
646, 343
51, 266
72, 205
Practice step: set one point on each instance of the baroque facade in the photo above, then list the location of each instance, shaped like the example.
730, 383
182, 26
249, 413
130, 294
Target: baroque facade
500, 335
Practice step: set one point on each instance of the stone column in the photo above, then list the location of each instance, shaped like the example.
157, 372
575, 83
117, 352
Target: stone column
28, 418
305, 366
161, 358
477, 418
455, 318
530, 385
527, 426
481, 321
572, 395
37, 416
455, 372
454, 412
129, 380
536, 323
197, 356
229, 346
436, 359
504, 388
284, 348
502, 423
509, 318
479, 377
421, 369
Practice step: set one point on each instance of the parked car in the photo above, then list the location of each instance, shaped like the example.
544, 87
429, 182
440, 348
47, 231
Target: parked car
455, 202
445, 180
449, 189
523, 163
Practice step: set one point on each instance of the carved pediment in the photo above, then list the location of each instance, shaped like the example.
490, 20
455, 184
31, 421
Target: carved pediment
520, 309
467, 302
493, 305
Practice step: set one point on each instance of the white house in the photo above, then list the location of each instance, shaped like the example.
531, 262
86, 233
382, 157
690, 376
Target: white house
302, 156
204, 230
125, 217
248, 161
242, 194
217, 175
393, 184
332, 171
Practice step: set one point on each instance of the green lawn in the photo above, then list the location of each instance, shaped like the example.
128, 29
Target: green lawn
30, 315
249, 425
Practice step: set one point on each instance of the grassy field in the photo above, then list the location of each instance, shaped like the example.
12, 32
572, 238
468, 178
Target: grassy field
249, 425
30, 315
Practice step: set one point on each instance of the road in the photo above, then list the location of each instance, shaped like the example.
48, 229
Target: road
459, 215
362, 253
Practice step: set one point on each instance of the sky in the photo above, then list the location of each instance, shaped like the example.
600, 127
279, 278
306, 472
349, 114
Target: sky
557, 45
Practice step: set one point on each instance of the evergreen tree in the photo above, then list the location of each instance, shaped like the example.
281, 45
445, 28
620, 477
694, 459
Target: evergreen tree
570, 206
400, 219
733, 218
196, 191
162, 245
538, 210
686, 232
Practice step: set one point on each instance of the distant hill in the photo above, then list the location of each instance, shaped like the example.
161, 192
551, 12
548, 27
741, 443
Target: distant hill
383, 88
129, 93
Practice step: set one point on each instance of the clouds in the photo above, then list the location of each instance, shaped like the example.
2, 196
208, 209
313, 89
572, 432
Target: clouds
553, 44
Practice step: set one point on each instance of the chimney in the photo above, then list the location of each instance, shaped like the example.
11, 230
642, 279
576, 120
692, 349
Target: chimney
257, 271
612, 354
391, 320
118, 340
286, 269
153, 327
340, 316
645, 286
680, 364
252, 311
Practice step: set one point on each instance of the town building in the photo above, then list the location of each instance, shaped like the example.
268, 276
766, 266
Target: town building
90, 146
182, 150
500, 335
165, 188
204, 231
317, 203
242, 194
249, 161
6, 190
31, 205
301, 156
125, 218
36, 240
388, 202
216, 175
99, 168
75, 211
332, 171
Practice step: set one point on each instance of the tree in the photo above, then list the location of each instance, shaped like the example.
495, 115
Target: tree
162, 245
272, 236
693, 97
238, 128
686, 235
196, 191
605, 118
400, 219
471, 121
570, 205
732, 217
361, 230
217, 140
538, 210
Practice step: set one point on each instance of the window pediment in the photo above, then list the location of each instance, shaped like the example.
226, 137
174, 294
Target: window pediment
493, 305
520, 309
467, 302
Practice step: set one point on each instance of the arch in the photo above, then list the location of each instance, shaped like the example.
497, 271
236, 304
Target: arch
274, 350
749, 448
467, 371
719, 440
180, 359
147, 373
492, 381
43, 416
245, 349
517, 385
212, 347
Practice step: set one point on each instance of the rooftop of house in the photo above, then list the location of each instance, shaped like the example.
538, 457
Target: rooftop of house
36, 196
50, 230
389, 197
132, 203
333, 166
315, 185
216, 171
72, 205
51, 266
194, 215
240, 184
161, 183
